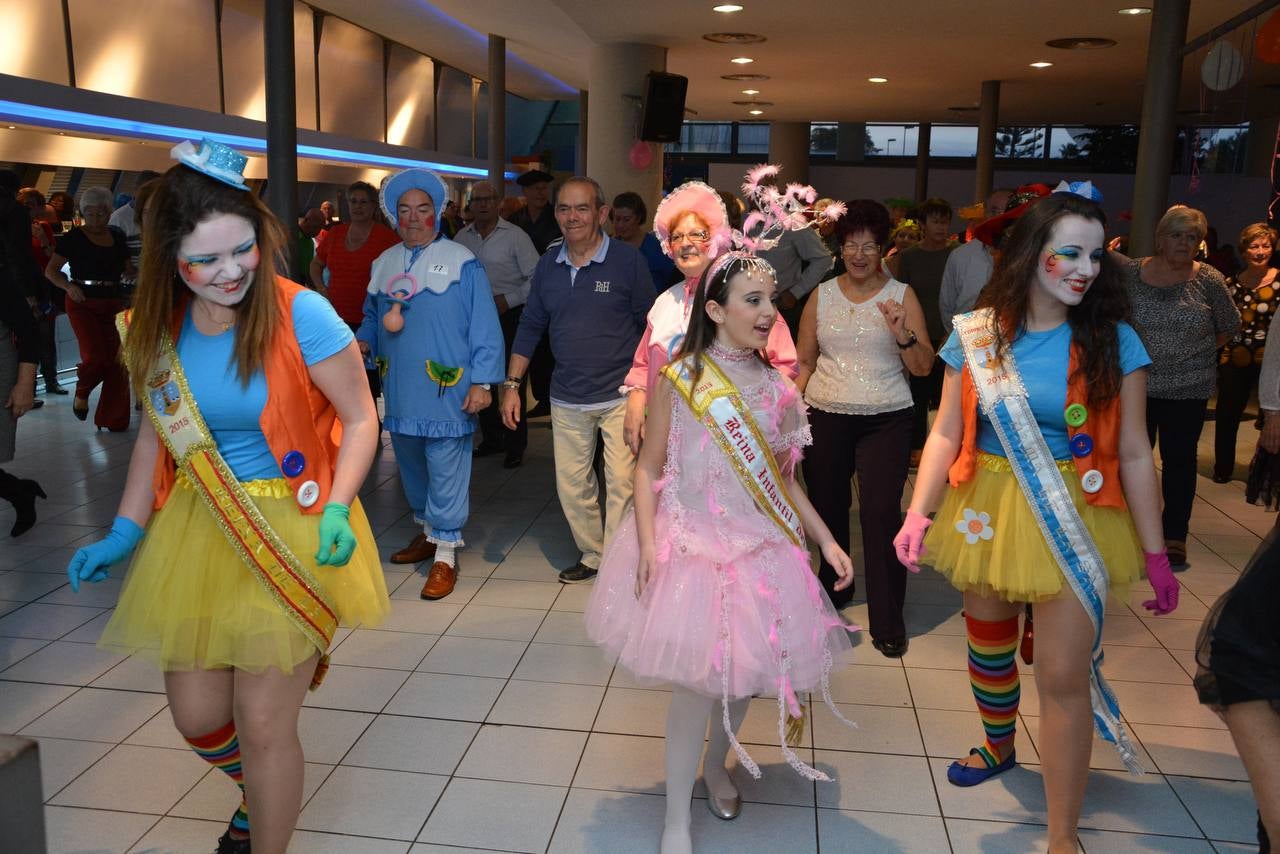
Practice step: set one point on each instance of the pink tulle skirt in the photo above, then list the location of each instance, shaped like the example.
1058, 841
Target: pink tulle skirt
721, 629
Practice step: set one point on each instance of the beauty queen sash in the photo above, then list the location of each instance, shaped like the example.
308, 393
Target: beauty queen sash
1004, 401
718, 405
178, 423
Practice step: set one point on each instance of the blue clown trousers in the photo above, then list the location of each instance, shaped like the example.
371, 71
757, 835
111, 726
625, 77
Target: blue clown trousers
436, 474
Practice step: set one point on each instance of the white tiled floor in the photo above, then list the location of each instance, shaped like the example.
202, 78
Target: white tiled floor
487, 721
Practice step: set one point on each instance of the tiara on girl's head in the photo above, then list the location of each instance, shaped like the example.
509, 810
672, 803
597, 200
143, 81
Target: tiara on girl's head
753, 265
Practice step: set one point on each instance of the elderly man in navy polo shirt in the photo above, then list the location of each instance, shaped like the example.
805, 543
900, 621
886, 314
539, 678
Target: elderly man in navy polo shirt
591, 296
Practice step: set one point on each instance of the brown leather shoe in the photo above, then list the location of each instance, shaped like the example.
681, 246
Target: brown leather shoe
440, 581
418, 550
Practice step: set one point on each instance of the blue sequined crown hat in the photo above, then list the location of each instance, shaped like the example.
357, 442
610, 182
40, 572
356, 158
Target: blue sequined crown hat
218, 161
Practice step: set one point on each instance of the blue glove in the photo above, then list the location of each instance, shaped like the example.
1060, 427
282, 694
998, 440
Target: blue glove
91, 562
337, 540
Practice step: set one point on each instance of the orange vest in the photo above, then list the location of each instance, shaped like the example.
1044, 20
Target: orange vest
1103, 426
290, 393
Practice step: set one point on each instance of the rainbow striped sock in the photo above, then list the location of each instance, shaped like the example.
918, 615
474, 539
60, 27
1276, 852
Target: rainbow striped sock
993, 675
221, 749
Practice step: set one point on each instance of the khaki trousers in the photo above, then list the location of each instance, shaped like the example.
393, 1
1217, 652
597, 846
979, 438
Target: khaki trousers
574, 440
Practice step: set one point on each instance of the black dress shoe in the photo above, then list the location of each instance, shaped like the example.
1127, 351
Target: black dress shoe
55, 389
891, 649
513, 460
1222, 478
484, 449
577, 574
38, 403
22, 494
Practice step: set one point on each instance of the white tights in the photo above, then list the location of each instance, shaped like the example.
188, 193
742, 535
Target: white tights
689, 718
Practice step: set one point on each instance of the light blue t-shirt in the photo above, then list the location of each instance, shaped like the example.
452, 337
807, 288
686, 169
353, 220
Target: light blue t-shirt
1042, 359
232, 411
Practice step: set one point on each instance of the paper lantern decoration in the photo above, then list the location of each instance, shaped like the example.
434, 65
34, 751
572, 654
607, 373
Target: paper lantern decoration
641, 155
1266, 45
1223, 67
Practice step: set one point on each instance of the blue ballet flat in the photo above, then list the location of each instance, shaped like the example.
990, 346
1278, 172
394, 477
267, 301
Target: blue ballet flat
959, 774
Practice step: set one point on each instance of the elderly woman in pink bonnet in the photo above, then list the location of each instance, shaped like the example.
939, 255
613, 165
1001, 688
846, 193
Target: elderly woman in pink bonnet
693, 226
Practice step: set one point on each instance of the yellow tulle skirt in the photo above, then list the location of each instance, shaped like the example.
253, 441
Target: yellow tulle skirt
190, 603
985, 538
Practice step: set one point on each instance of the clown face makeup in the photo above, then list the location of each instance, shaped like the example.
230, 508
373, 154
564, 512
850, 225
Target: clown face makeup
218, 258
1071, 261
416, 218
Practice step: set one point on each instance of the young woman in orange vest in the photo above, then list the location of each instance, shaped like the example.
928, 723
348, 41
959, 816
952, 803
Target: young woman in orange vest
1061, 378
255, 546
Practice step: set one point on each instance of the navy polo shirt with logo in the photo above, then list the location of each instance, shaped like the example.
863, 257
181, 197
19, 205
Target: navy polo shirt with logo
594, 315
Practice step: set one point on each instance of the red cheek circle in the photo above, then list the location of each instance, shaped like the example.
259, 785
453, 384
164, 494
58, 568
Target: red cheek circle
429, 222
1050, 263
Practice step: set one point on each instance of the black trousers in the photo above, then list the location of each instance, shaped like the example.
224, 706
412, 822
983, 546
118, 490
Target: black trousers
1177, 425
541, 364
1235, 385
492, 430
926, 394
875, 448
48, 350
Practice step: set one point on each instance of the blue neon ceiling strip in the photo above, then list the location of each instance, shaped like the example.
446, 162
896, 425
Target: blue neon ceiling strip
51, 117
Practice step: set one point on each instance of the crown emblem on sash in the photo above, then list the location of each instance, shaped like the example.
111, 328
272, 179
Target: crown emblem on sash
158, 379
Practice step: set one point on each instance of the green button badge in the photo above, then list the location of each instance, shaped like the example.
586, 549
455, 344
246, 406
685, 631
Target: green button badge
1076, 415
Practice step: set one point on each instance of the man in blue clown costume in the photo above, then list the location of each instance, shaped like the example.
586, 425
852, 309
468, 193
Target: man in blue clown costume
431, 327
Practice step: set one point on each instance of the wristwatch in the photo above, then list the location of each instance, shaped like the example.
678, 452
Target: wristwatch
911, 341
484, 386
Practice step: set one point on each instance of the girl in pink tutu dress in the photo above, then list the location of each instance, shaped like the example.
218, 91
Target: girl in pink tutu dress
707, 584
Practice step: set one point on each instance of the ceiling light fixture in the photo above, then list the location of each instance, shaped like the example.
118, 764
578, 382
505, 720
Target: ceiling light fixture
1134, 11
1081, 43
742, 60
877, 79
1041, 64
726, 8
734, 38
744, 78
753, 103
755, 112
751, 91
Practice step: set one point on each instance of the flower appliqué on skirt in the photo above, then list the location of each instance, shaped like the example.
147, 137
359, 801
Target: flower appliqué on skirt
975, 526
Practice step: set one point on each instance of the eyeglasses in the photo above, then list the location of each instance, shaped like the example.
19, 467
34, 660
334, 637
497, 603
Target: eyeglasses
692, 237
864, 249
1184, 237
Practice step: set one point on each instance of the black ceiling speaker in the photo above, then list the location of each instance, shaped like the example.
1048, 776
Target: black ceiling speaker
662, 110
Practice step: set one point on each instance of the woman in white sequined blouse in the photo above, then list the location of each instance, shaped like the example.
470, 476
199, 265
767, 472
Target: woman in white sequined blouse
858, 340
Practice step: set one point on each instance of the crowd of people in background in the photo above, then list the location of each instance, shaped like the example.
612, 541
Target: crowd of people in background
580, 301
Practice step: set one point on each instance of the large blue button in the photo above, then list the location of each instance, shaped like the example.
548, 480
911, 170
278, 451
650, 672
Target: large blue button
293, 464
1081, 445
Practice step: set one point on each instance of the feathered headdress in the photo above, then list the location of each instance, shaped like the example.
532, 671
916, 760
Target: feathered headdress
776, 212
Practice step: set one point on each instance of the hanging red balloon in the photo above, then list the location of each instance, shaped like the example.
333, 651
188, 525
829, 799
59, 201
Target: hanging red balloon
1266, 45
641, 155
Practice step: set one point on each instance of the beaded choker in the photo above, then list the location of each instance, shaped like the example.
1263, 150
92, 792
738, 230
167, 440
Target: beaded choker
730, 354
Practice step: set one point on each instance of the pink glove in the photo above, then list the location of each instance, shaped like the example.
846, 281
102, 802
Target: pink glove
909, 543
1162, 582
